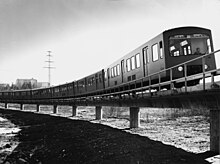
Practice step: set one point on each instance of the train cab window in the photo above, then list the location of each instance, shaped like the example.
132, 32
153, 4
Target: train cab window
155, 54
176, 53
191, 44
161, 50
146, 55
209, 46
128, 62
137, 60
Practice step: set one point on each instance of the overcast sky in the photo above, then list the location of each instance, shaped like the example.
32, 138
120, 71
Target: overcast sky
88, 35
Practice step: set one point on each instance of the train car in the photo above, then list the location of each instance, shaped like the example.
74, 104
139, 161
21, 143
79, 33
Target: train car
170, 48
80, 86
66, 90
6, 95
19, 94
89, 84
184, 44
55, 91
95, 81
42, 93
70, 89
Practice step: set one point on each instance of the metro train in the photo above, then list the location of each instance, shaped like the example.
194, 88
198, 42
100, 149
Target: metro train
166, 50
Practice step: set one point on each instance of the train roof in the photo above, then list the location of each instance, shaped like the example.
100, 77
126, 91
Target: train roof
188, 29
185, 28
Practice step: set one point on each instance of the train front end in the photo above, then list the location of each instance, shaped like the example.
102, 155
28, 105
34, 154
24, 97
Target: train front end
185, 44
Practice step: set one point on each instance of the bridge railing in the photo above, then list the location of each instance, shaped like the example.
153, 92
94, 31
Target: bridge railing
139, 86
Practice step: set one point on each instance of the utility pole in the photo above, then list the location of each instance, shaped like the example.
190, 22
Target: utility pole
49, 61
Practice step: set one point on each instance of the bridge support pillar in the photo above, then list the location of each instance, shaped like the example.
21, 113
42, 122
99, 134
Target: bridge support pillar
134, 117
55, 109
215, 130
98, 112
74, 110
6, 105
38, 108
21, 106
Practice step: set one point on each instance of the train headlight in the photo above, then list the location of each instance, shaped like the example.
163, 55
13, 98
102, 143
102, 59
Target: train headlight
206, 67
180, 68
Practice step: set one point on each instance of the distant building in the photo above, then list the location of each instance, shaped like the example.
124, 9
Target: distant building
30, 83
20, 82
42, 84
4, 86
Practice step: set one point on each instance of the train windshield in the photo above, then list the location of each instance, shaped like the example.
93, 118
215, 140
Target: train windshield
194, 44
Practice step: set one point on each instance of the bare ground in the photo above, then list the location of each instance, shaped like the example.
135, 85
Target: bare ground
48, 139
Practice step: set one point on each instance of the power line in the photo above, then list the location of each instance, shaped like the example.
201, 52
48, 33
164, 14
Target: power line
49, 61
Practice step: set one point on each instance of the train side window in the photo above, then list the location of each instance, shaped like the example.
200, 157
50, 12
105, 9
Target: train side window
118, 69
82, 83
89, 82
155, 54
100, 78
128, 62
161, 50
93, 80
112, 72
106, 75
137, 59
132, 62
115, 71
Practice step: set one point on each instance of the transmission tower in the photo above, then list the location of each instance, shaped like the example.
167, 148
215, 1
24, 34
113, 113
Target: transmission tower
49, 61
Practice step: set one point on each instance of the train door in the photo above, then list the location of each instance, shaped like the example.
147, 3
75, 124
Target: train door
108, 78
96, 81
122, 71
146, 60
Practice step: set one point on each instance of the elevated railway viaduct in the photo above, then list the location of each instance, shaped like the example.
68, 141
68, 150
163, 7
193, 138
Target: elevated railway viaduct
194, 97
205, 95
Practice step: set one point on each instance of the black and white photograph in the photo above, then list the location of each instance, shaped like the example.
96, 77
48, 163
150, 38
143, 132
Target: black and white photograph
109, 82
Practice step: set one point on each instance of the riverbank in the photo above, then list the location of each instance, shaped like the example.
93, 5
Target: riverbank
50, 139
